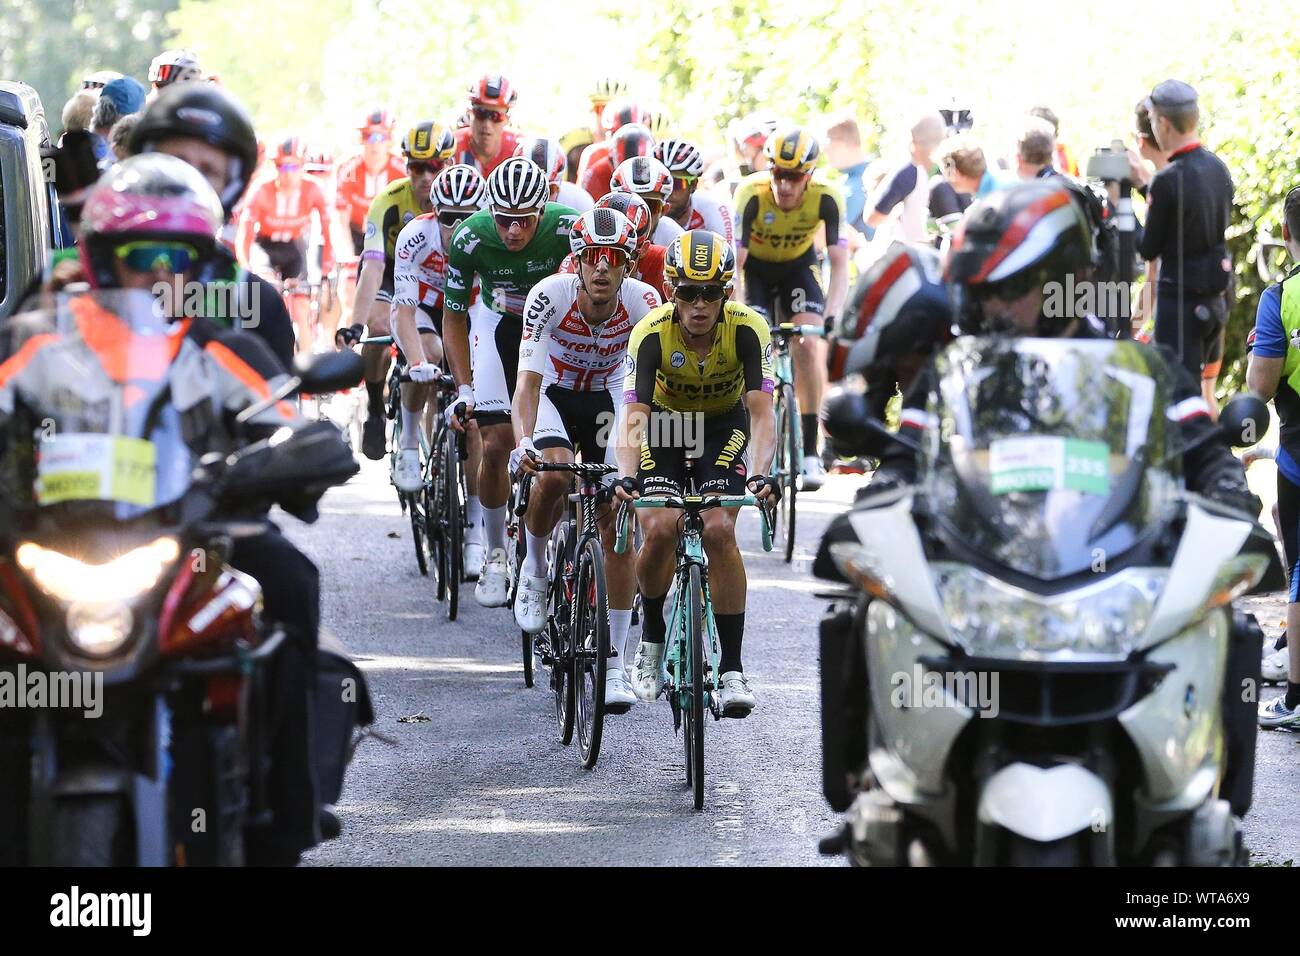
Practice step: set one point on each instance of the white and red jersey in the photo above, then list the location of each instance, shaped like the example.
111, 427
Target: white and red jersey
560, 346
420, 264
465, 154
357, 186
283, 214
711, 213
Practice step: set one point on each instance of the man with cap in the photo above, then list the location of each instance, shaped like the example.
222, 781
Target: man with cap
1189, 205
118, 98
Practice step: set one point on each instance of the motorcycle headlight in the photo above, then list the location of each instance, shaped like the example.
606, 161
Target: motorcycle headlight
990, 618
70, 580
99, 629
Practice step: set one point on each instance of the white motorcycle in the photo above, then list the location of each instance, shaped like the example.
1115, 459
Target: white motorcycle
1040, 663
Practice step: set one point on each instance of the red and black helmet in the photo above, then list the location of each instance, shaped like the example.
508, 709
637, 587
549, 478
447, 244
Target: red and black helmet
635, 209
619, 112
493, 91
631, 140
1013, 241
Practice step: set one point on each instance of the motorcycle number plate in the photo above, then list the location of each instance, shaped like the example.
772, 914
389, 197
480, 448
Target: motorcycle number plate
1048, 463
97, 468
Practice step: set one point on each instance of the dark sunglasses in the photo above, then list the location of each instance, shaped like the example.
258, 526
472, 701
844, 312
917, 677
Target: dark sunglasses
452, 219
150, 255
495, 116
418, 167
787, 177
506, 221
595, 255
697, 293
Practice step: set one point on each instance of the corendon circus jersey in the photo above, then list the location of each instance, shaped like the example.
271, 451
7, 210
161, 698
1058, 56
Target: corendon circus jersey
560, 345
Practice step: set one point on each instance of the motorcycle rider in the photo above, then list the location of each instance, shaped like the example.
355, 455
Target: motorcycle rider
149, 220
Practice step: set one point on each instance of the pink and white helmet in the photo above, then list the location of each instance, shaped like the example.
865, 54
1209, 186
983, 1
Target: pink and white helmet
645, 176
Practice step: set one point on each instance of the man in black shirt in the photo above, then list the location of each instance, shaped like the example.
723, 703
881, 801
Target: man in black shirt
1190, 202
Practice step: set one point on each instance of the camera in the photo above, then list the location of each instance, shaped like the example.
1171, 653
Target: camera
1109, 163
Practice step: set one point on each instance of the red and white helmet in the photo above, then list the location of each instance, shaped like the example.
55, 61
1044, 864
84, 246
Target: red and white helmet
289, 148
518, 184
619, 112
681, 158
493, 91
172, 65
377, 123
603, 228
547, 154
458, 187
631, 140
645, 176
633, 207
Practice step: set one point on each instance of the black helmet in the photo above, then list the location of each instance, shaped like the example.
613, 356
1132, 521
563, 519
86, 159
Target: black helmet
898, 307
1013, 241
208, 113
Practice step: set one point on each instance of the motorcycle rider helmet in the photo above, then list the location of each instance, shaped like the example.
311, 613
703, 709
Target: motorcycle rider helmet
1010, 244
203, 112
149, 197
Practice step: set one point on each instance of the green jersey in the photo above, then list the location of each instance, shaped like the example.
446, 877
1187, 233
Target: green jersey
505, 277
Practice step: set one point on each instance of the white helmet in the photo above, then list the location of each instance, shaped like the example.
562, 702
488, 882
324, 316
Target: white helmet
603, 228
458, 187
518, 183
681, 158
172, 65
645, 176
547, 154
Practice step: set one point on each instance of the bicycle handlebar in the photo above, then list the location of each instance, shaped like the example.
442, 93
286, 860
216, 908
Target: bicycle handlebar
376, 340
785, 328
692, 504
592, 470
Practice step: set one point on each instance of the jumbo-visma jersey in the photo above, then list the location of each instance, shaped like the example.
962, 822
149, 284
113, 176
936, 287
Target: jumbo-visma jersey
663, 371
773, 235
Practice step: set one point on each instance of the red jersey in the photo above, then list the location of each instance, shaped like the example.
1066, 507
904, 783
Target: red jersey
464, 154
596, 168
649, 268
283, 216
357, 186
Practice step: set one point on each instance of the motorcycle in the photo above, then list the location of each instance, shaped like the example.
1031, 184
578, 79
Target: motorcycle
114, 577
1037, 661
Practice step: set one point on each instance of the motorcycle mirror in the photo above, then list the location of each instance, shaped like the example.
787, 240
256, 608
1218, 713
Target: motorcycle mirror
328, 372
1244, 420
849, 421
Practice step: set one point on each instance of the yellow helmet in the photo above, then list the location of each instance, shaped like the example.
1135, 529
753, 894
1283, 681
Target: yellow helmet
699, 257
429, 141
792, 149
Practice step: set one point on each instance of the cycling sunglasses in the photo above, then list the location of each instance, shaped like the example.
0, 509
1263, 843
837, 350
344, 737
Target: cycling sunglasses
288, 167
684, 182
505, 221
453, 218
697, 293
418, 167
482, 113
787, 177
595, 255
150, 255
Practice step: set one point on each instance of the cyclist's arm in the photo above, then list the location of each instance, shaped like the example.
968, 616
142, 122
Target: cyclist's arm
373, 261
746, 213
837, 249
1268, 353
326, 237
643, 355
455, 306
540, 315
245, 234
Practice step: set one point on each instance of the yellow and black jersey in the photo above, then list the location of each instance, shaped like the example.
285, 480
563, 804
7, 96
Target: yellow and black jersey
663, 371
391, 209
773, 235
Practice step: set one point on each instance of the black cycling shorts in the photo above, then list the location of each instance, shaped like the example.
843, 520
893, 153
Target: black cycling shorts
289, 259
783, 290
719, 441
1191, 325
582, 422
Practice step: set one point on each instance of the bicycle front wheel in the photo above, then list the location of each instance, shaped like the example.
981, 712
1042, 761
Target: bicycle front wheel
560, 620
418, 531
787, 470
694, 683
452, 520
591, 650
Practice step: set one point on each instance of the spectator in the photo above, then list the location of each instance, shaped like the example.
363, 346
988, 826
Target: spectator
1148, 150
79, 109
966, 169
1189, 205
844, 152
1036, 149
905, 195
119, 98
1063, 157
119, 137
172, 66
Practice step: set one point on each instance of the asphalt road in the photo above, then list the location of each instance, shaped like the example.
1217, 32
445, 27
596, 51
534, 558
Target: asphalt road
478, 777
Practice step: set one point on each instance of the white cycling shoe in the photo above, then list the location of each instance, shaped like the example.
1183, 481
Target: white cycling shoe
472, 559
736, 697
493, 588
530, 604
1273, 668
406, 471
648, 671
814, 473
618, 692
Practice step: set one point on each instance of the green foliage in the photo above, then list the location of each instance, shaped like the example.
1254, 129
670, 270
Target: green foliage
52, 44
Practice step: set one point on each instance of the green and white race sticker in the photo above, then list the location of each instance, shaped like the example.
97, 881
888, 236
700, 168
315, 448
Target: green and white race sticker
97, 468
1048, 463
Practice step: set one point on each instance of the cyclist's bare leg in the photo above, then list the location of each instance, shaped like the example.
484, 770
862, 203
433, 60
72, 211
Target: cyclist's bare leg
657, 560
727, 581
808, 354
549, 494
377, 357
415, 397
620, 569
299, 300
494, 481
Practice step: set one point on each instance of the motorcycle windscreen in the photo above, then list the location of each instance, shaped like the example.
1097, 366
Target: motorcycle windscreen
1052, 456
92, 374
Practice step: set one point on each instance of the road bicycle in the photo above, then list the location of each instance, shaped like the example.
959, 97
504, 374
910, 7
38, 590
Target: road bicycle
787, 464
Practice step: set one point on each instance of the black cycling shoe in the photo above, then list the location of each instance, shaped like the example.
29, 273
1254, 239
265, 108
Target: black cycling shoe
372, 437
330, 825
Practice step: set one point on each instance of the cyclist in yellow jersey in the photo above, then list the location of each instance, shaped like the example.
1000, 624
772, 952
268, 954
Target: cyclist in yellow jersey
695, 367
427, 148
778, 214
